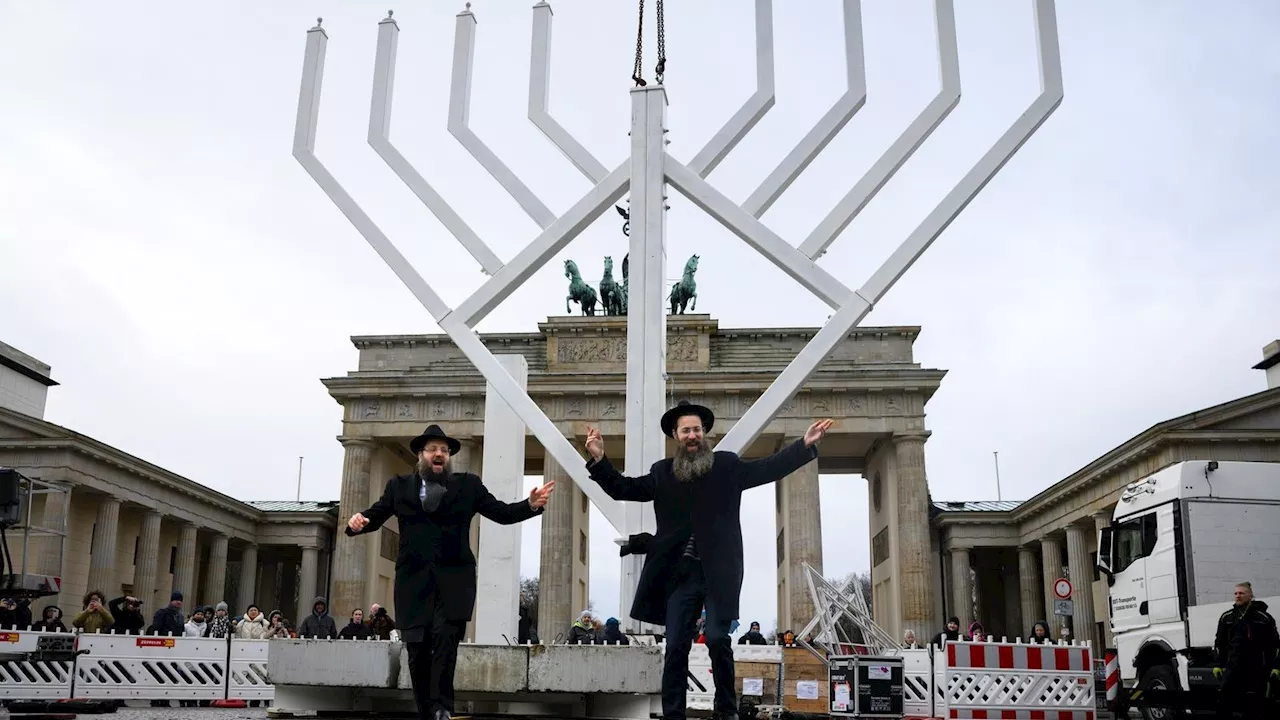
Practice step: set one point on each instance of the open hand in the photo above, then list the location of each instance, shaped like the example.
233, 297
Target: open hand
595, 443
357, 522
538, 496
816, 431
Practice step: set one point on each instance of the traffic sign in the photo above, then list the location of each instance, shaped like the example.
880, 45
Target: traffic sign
1064, 608
1062, 588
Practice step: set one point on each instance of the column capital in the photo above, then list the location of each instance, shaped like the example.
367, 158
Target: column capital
351, 441
905, 437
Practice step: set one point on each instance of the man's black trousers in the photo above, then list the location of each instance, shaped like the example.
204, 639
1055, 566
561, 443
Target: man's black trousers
433, 656
684, 607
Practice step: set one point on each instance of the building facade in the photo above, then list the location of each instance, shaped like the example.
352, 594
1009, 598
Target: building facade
999, 560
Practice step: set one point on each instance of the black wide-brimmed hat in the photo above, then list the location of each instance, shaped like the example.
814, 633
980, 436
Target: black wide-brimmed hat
683, 408
433, 432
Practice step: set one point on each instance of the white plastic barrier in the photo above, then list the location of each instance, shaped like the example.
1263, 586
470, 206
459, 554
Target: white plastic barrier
148, 667
247, 679
700, 667
33, 679
917, 682
1001, 677
138, 667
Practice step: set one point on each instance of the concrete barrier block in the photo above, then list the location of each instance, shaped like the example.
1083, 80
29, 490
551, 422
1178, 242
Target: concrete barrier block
482, 668
335, 663
595, 668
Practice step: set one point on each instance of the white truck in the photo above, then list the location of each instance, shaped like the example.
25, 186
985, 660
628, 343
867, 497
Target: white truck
1178, 543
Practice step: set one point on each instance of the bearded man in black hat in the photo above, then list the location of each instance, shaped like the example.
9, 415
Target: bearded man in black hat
695, 558
435, 587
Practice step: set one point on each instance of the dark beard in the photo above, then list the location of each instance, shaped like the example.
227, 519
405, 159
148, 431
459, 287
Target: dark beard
426, 471
689, 465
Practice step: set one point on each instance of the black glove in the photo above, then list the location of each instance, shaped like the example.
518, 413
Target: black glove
636, 545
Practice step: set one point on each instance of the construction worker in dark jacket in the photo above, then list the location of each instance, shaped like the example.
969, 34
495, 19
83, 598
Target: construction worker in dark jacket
1248, 655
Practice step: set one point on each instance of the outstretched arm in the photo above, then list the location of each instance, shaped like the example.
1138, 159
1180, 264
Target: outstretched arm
514, 512
378, 513
753, 473
615, 484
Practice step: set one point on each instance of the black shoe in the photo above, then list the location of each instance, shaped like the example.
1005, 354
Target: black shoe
442, 714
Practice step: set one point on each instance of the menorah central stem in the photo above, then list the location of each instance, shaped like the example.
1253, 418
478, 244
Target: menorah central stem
646, 315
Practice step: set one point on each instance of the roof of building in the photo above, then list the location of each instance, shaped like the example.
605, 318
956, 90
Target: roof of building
976, 505
293, 505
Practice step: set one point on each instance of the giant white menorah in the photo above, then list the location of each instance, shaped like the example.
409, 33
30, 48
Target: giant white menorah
646, 175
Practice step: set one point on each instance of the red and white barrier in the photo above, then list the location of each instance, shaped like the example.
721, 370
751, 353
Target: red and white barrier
1016, 680
1113, 676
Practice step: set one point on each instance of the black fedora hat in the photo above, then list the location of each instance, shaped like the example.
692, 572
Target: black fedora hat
683, 408
433, 432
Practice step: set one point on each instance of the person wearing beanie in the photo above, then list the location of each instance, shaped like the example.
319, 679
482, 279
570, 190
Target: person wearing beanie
169, 619
220, 625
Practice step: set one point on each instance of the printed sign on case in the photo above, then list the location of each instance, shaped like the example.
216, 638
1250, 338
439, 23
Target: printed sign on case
753, 686
806, 689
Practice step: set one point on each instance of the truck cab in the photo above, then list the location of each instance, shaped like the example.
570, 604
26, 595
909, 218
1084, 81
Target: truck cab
1179, 541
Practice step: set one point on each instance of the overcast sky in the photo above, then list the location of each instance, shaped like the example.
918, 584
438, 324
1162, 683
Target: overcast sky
190, 284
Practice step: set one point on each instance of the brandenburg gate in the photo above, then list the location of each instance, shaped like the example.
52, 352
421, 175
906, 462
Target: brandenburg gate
871, 385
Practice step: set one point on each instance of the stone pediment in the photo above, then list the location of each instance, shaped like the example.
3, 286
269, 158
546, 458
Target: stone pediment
16, 426
1260, 411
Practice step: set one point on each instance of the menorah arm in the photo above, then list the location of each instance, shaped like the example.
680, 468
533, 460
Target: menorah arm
755, 233
384, 69
552, 438
830, 125
907, 143
304, 143
540, 99
806, 362
464, 43
549, 242
737, 127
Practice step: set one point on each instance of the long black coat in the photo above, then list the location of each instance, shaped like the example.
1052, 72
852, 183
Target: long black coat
435, 548
708, 507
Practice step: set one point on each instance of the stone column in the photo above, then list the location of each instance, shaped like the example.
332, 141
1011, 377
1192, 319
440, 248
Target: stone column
961, 588
148, 567
350, 554
102, 556
804, 541
184, 571
1030, 587
1081, 575
215, 573
555, 569
49, 554
914, 580
248, 578
307, 588
1051, 564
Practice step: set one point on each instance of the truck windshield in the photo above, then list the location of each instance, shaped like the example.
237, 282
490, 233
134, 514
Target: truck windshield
1133, 540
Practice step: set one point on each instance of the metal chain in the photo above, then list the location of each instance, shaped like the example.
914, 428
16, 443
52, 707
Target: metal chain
661, 67
635, 74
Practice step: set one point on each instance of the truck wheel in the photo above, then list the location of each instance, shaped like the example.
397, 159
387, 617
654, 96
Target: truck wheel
1159, 677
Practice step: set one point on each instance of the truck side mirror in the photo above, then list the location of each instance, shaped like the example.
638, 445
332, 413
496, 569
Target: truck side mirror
1104, 552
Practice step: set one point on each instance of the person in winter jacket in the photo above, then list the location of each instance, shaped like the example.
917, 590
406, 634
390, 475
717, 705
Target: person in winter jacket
950, 633
1041, 634
381, 624
613, 634
356, 629
94, 618
977, 633
196, 626
319, 624
51, 620
220, 625
753, 636
253, 626
127, 611
277, 625
583, 630
169, 619
1247, 647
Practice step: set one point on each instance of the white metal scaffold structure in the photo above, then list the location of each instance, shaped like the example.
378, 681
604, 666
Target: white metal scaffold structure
645, 175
